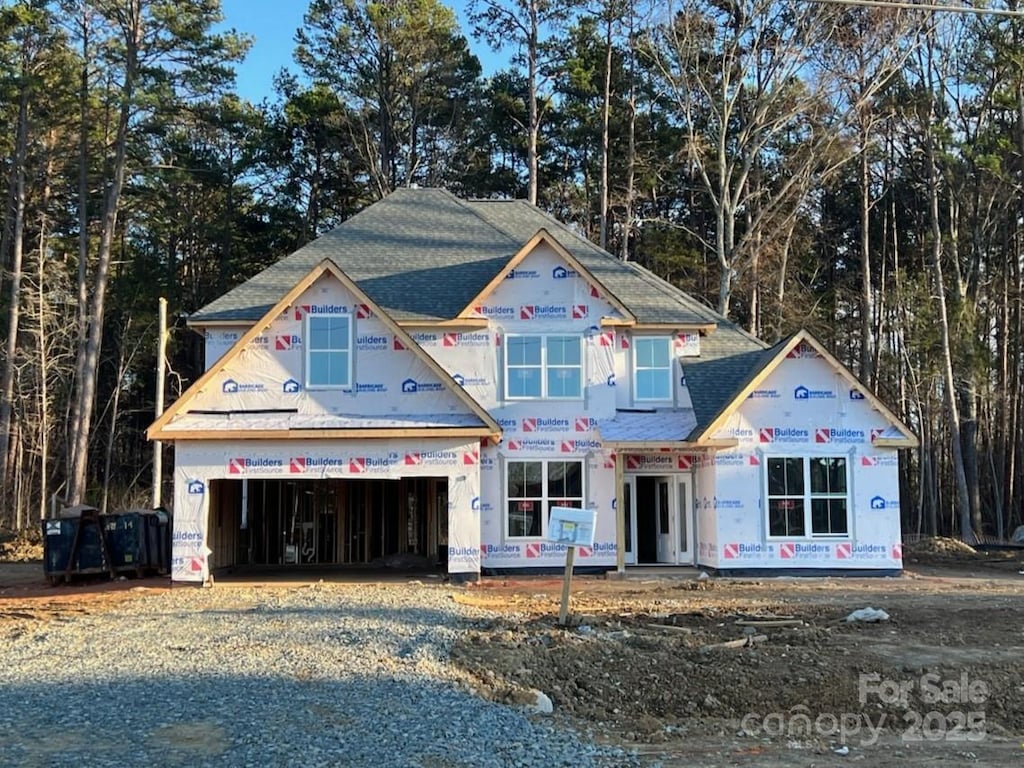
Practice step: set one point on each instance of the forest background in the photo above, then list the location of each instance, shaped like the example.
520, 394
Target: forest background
856, 170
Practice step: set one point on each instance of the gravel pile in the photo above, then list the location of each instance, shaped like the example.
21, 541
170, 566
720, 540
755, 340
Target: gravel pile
317, 676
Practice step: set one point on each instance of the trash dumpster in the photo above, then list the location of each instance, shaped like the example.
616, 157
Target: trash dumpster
59, 541
139, 541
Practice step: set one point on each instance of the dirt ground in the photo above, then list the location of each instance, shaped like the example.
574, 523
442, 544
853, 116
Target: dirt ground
941, 681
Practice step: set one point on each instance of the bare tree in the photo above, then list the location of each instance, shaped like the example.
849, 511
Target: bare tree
750, 97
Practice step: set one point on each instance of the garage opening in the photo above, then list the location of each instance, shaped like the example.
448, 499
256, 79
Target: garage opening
328, 522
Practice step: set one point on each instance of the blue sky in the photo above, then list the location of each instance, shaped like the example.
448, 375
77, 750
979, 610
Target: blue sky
272, 25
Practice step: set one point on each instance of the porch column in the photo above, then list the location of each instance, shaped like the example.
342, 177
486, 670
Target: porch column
620, 518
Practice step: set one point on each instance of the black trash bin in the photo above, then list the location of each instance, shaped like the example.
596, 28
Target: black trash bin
58, 539
139, 541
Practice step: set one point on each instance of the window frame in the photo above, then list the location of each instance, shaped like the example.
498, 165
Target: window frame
808, 496
544, 367
637, 368
310, 350
546, 499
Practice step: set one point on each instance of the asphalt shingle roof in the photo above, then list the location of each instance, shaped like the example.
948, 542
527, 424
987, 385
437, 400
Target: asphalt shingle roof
419, 254
729, 359
423, 254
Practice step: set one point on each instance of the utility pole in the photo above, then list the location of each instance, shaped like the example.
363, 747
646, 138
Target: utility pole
161, 367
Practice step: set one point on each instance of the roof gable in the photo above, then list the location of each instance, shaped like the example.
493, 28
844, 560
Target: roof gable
763, 364
544, 270
216, 382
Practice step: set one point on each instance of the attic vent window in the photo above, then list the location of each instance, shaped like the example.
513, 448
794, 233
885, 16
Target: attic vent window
329, 351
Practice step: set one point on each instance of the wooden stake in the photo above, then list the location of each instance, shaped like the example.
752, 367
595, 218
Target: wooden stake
563, 612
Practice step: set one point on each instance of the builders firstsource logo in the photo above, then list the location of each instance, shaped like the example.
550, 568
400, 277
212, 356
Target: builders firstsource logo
298, 465
798, 551
496, 311
543, 312
243, 465
362, 465
890, 460
369, 342
287, 343
492, 552
577, 445
783, 435
530, 444
196, 488
848, 551
477, 339
840, 435
563, 273
747, 551
320, 309
534, 424
430, 458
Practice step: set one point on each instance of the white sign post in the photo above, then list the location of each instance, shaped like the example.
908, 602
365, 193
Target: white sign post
574, 528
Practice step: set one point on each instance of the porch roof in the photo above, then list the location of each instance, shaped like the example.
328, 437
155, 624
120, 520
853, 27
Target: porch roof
648, 426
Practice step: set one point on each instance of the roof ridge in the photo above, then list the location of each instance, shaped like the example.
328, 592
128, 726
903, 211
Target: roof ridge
562, 225
466, 205
674, 291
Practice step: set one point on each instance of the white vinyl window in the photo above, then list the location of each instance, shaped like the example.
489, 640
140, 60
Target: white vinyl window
329, 351
533, 487
652, 368
807, 496
543, 367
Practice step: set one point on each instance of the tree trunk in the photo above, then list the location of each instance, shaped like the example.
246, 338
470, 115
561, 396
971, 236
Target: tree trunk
866, 297
532, 53
605, 113
963, 504
627, 224
14, 310
90, 349
82, 284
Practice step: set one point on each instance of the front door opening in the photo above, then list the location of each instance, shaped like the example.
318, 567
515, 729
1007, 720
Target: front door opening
659, 519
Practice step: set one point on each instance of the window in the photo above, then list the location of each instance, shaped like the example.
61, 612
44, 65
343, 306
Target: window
543, 366
807, 496
652, 368
329, 351
534, 487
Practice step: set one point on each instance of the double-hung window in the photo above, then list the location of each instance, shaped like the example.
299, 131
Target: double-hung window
807, 496
533, 487
328, 351
543, 367
652, 368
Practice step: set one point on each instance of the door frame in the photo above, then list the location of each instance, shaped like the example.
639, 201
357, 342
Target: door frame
629, 496
687, 512
675, 480
665, 500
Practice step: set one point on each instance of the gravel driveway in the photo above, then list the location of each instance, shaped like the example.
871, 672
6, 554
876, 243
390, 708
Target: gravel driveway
324, 675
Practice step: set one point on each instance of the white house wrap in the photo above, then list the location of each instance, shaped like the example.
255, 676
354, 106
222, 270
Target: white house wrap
428, 379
